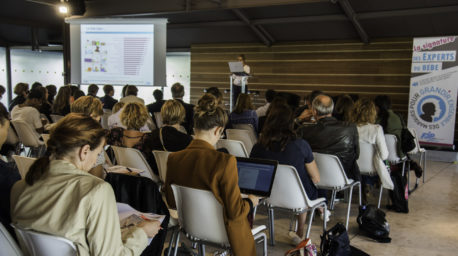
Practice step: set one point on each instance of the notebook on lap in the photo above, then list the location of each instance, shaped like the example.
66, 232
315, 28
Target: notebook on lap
256, 176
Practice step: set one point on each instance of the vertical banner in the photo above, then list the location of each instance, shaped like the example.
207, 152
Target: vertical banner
433, 90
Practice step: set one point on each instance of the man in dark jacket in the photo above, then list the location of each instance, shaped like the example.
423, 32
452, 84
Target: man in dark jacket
330, 136
177, 94
108, 100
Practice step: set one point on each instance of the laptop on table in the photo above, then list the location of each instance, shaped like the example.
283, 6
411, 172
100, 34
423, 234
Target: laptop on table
256, 176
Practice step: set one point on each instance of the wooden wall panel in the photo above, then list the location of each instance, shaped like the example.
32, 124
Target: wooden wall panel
335, 67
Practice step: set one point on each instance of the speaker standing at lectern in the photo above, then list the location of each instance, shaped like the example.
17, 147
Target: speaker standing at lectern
239, 80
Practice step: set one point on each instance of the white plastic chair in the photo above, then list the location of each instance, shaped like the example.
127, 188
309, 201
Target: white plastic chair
41, 244
250, 128
29, 137
419, 150
241, 135
289, 194
157, 116
161, 161
234, 147
106, 114
201, 218
8, 244
394, 158
23, 164
131, 157
56, 118
366, 163
333, 177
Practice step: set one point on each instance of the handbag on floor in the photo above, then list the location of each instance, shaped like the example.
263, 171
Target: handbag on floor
335, 241
304, 248
372, 221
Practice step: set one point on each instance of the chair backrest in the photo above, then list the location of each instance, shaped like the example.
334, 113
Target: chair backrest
11, 137
391, 144
332, 173
366, 158
40, 244
161, 161
131, 157
417, 142
158, 118
56, 118
250, 128
27, 134
235, 147
8, 244
23, 164
287, 190
200, 214
241, 135
106, 114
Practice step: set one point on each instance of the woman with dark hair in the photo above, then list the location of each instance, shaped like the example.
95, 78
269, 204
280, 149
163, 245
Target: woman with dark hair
244, 112
63, 100
75, 204
201, 166
278, 141
21, 90
45, 107
390, 122
343, 108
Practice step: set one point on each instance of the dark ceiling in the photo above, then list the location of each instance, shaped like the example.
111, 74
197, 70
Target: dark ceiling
230, 21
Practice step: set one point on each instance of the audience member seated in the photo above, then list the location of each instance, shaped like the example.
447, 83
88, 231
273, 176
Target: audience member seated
330, 136
131, 95
52, 91
219, 97
8, 174
133, 117
28, 111
61, 105
262, 111
108, 100
278, 101
92, 90
304, 113
75, 204
77, 94
21, 90
363, 115
343, 108
2, 91
178, 94
169, 137
244, 112
156, 106
36, 85
278, 141
45, 107
200, 166
115, 119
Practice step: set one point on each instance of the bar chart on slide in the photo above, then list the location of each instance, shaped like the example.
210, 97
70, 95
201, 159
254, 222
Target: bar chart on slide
117, 54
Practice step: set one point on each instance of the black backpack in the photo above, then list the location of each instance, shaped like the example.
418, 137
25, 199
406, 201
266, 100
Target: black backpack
372, 221
335, 242
407, 139
399, 195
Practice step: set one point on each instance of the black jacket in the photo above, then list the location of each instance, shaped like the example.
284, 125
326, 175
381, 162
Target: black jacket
330, 136
16, 101
189, 119
108, 102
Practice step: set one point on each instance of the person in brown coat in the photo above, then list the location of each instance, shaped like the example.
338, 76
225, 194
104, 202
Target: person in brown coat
201, 166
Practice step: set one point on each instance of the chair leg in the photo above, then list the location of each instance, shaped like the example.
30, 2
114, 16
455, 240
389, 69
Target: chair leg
403, 167
171, 243
349, 207
359, 186
177, 240
271, 226
309, 225
424, 165
333, 199
201, 249
380, 196
293, 223
261, 236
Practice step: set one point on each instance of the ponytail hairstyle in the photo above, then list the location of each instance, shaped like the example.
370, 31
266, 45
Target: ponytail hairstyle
71, 132
207, 113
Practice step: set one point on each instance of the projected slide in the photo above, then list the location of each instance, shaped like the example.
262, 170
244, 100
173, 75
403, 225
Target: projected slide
117, 54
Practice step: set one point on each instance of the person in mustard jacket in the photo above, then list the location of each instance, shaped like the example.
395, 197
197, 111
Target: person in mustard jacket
201, 166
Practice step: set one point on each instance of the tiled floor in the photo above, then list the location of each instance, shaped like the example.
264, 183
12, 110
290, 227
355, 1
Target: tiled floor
430, 228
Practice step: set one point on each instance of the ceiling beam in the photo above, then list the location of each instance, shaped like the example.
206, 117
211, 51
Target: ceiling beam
28, 23
351, 14
254, 28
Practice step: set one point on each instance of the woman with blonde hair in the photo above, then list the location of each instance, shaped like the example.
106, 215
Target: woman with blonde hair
75, 204
89, 106
364, 116
201, 166
244, 112
133, 117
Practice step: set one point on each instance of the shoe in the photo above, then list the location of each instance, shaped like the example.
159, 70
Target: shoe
328, 214
294, 238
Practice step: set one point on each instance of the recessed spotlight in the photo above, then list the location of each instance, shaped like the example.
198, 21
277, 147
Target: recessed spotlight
63, 9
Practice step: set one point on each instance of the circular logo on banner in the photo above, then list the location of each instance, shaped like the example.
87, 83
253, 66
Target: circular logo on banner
432, 107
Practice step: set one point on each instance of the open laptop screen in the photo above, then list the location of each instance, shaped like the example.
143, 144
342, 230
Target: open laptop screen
256, 176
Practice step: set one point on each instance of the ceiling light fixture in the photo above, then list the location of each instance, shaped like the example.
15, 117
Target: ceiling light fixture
63, 9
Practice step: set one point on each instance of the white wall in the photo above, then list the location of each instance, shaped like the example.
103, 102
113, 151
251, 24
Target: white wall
178, 70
